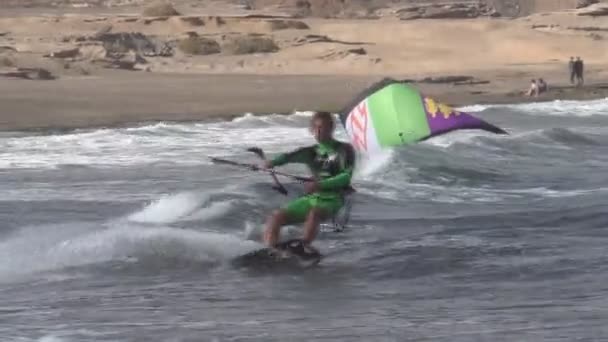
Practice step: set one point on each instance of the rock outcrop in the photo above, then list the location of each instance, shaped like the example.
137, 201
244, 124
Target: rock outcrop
29, 74
247, 44
450, 11
595, 10
161, 9
195, 45
122, 42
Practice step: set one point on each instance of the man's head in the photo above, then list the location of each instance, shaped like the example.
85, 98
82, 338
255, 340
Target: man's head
322, 126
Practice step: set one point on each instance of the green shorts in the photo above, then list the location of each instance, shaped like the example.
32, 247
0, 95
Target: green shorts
298, 209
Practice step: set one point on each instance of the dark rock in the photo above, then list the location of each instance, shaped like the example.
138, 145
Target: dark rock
150, 21
595, 10
589, 29
94, 20
453, 11
276, 25
410, 16
359, 51
195, 45
125, 63
249, 44
586, 3
7, 49
29, 74
160, 10
315, 38
334, 55
69, 53
122, 42
219, 21
194, 21
6, 61
596, 36
105, 29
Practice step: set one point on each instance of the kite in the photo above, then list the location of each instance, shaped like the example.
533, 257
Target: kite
391, 113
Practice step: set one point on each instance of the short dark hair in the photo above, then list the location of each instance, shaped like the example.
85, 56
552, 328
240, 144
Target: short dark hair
325, 116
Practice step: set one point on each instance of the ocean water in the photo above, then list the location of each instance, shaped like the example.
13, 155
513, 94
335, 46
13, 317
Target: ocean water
127, 234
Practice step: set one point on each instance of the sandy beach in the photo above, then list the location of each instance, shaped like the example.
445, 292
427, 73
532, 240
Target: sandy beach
113, 67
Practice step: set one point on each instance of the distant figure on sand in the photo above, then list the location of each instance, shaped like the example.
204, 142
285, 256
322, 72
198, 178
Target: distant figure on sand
571, 69
533, 90
541, 85
579, 71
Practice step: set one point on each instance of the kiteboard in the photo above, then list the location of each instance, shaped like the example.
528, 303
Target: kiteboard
290, 253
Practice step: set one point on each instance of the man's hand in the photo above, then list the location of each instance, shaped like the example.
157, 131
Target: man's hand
266, 164
312, 186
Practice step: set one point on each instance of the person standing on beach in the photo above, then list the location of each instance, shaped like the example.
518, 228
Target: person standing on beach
571, 68
542, 86
579, 70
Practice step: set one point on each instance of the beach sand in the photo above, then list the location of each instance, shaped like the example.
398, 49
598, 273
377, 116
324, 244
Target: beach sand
320, 66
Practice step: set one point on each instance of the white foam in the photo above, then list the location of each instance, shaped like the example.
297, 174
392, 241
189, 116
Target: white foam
214, 210
447, 140
38, 249
170, 208
556, 107
255, 232
245, 117
52, 338
303, 113
545, 192
182, 144
367, 166
250, 117
472, 108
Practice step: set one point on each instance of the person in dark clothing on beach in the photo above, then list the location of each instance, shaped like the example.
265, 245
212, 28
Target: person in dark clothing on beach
542, 86
571, 69
579, 71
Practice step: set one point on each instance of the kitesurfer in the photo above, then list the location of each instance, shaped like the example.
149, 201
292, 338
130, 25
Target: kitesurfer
332, 163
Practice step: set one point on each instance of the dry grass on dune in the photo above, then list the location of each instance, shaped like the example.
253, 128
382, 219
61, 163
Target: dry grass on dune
248, 44
6, 61
160, 9
198, 46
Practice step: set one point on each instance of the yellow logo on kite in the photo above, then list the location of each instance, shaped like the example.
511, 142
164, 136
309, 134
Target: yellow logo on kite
435, 108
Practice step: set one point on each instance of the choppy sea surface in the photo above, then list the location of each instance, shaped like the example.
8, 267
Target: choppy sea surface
127, 234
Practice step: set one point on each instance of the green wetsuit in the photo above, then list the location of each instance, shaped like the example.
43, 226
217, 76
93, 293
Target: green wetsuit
332, 164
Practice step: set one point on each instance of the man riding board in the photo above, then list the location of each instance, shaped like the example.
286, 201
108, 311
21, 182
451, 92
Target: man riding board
332, 163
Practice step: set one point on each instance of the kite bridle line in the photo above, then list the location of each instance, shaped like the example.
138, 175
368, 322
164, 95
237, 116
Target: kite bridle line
253, 167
